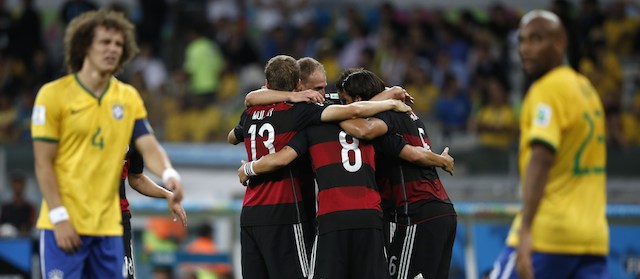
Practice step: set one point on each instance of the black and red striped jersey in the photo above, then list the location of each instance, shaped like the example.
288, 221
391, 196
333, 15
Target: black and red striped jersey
410, 193
132, 164
348, 196
275, 198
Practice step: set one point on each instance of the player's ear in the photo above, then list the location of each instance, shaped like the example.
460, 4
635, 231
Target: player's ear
299, 85
266, 83
357, 99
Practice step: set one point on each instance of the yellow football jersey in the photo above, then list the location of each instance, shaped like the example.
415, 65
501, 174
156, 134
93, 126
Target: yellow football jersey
562, 110
92, 135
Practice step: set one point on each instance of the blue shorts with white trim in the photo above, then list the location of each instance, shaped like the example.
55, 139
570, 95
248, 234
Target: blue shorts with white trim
98, 257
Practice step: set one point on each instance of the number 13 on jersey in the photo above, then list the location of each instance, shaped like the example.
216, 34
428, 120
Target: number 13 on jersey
265, 130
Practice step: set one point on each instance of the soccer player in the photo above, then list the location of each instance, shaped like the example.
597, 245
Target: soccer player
132, 169
562, 230
412, 195
81, 126
272, 216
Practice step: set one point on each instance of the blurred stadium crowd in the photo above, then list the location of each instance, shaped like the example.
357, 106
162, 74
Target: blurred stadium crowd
199, 58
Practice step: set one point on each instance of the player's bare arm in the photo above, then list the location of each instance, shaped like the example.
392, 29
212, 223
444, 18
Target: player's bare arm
266, 164
537, 174
265, 96
144, 185
66, 236
427, 158
158, 163
231, 138
365, 128
361, 109
394, 92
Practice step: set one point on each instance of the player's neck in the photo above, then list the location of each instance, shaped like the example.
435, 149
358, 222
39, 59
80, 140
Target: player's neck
94, 81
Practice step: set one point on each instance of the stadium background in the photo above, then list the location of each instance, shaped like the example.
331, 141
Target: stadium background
448, 54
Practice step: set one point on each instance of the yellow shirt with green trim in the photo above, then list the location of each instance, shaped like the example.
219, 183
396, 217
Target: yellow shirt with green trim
563, 111
92, 135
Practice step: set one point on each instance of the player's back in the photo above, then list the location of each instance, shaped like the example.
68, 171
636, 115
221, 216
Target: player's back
562, 110
416, 191
274, 198
348, 196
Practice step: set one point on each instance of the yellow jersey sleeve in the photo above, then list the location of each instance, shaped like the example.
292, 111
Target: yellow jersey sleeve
545, 113
46, 116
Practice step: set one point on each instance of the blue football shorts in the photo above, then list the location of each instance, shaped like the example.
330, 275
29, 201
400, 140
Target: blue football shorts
98, 257
557, 266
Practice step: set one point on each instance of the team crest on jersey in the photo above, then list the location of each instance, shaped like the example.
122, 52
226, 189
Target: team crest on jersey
118, 111
55, 274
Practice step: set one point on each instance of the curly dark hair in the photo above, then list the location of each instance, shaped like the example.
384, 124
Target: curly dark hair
81, 31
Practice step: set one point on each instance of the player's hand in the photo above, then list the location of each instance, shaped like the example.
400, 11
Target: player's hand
244, 179
175, 186
398, 93
177, 211
400, 106
448, 161
408, 99
524, 265
307, 96
66, 237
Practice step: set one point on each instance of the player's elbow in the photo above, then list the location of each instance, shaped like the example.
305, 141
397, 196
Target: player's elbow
231, 138
363, 133
357, 112
135, 179
248, 101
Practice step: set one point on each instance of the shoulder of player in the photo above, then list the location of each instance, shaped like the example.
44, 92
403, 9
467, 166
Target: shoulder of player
557, 81
119, 85
57, 85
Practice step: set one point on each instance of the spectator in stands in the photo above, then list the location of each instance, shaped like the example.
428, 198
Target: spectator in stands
203, 63
152, 68
5, 25
589, 19
162, 272
445, 66
453, 107
150, 26
496, 122
7, 119
349, 56
72, 8
19, 212
601, 66
23, 117
620, 29
631, 123
204, 244
418, 83
25, 36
